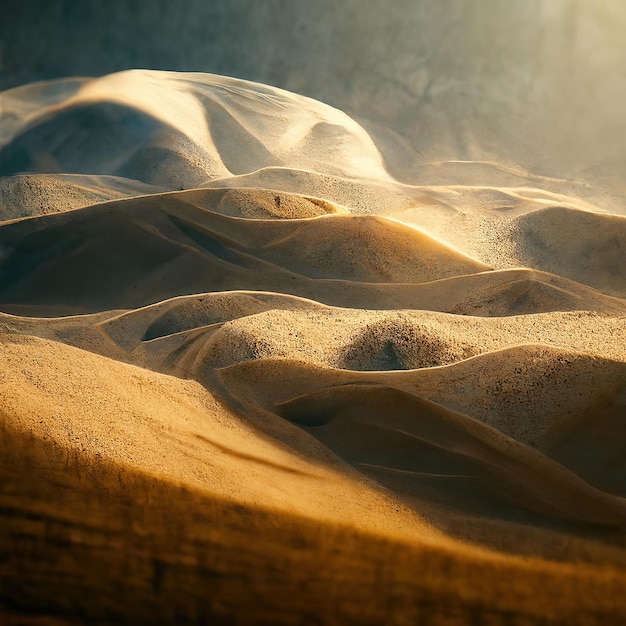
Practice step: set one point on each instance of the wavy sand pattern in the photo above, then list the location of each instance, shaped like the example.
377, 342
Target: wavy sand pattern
250, 377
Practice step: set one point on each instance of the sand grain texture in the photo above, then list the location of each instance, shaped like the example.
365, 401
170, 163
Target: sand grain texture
248, 376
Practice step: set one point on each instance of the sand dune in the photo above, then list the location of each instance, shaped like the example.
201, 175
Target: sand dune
157, 239
170, 244
418, 441
599, 251
176, 129
250, 376
544, 384
29, 195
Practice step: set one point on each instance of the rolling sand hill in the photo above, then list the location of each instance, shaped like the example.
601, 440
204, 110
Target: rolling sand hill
249, 377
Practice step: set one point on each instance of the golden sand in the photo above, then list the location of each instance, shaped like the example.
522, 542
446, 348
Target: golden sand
247, 376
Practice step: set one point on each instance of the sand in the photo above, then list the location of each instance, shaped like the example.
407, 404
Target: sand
249, 376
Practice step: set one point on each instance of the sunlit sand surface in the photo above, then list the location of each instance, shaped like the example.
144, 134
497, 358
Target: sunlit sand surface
248, 376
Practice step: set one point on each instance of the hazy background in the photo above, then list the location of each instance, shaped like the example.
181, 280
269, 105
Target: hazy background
540, 83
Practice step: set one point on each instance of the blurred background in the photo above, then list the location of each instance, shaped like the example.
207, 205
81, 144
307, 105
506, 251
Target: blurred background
534, 83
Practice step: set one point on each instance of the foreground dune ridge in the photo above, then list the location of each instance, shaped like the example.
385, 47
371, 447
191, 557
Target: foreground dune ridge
293, 550
218, 286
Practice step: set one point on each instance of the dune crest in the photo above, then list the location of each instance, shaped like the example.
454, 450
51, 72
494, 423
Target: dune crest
241, 345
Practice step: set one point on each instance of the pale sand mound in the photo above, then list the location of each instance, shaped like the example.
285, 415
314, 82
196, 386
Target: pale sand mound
190, 312
295, 389
260, 203
28, 195
180, 129
584, 246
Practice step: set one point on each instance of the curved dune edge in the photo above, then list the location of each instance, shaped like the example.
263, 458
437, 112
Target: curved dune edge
248, 376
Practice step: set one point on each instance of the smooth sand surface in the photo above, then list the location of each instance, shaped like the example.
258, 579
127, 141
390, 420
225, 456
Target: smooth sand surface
248, 376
